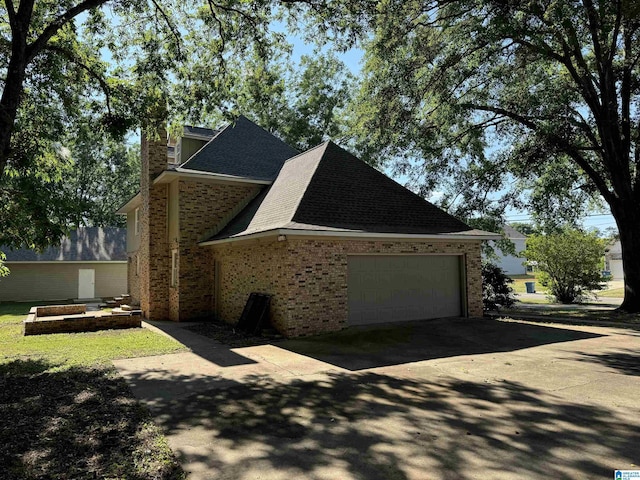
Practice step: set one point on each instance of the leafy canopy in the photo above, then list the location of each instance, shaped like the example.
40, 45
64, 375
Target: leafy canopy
507, 103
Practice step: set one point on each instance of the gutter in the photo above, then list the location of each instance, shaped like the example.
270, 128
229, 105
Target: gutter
170, 175
346, 234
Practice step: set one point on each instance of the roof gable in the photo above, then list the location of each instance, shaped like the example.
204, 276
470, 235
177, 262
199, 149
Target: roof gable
511, 233
347, 193
327, 188
242, 149
87, 244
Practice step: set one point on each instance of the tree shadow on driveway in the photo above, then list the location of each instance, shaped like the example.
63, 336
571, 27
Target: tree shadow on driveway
627, 362
359, 348
372, 426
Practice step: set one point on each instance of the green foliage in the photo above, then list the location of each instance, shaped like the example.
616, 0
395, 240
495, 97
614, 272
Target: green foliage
4, 270
116, 62
104, 173
301, 102
569, 262
496, 289
499, 103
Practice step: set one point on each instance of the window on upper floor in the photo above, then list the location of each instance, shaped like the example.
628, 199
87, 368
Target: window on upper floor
136, 221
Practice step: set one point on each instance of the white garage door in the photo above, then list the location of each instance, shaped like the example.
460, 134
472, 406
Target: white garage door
386, 288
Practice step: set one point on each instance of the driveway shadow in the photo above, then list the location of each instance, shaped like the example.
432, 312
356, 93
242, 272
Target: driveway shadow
359, 348
372, 426
627, 362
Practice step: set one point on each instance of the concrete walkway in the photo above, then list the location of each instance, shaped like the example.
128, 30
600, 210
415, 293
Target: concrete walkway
444, 399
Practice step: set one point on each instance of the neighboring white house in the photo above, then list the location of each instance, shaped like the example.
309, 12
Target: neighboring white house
512, 265
613, 261
89, 263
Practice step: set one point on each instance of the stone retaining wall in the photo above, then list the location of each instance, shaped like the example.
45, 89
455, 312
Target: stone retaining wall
68, 319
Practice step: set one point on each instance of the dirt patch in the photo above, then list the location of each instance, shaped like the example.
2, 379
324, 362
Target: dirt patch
229, 335
76, 423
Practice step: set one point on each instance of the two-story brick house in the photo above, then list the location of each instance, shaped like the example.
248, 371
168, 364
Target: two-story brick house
334, 241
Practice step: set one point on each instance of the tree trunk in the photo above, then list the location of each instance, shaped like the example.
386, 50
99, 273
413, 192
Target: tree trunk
9, 109
14, 83
628, 220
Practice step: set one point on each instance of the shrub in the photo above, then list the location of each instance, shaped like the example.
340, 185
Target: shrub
496, 290
569, 263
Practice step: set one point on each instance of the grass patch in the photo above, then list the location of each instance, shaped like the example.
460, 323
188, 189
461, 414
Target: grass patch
65, 413
542, 300
594, 314
613, 293
76, 349
76, 423
519, 281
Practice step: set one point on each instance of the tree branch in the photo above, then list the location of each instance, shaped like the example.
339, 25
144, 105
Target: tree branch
11, 11
174, 31
556, 140
73, 58
39, 43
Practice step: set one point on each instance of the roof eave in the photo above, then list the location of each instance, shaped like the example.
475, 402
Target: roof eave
133, 202
170, 175
356, 234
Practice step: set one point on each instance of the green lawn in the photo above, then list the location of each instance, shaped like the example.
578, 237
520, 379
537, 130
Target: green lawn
75, 349
519, 281
64, 411
587, 313
613, 293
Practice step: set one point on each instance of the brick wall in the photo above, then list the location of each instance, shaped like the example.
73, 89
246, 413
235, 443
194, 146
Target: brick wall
317, 301
203, 210
308, 278
155, 258
254, 267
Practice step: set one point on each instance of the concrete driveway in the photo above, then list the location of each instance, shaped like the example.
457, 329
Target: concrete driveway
445, 399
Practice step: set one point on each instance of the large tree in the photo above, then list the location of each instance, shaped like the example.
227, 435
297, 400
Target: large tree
302, 101
510, 97
117, 58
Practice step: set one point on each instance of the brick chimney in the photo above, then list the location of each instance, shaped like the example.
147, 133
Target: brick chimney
154, 254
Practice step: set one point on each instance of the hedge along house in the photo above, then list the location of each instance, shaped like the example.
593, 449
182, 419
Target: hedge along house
89, 263
334, 241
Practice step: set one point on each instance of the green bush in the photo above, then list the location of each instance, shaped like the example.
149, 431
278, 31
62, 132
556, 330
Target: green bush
496, 290
569, 263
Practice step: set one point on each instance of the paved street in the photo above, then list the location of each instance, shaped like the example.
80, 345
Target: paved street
444, 399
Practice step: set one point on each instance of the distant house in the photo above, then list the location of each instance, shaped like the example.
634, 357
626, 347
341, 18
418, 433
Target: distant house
89, 263
334, 242
513, 265
613, 261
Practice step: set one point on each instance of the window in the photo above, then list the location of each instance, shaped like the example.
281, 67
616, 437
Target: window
174, 268
136, 220
137, 265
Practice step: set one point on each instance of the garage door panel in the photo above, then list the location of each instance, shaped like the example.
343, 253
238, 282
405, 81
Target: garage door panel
398, 288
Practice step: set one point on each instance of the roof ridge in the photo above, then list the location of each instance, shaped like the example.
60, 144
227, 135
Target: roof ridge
310, 179
203, 146
325, 143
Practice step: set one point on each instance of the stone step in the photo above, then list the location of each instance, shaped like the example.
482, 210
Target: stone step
126, 308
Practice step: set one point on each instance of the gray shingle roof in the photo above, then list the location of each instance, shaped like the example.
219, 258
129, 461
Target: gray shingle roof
242, 149
327, 188
90, 244
512, 233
